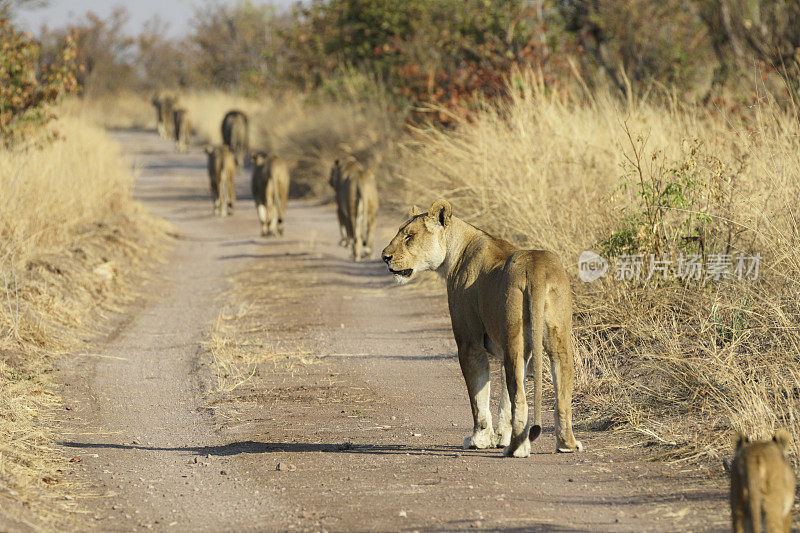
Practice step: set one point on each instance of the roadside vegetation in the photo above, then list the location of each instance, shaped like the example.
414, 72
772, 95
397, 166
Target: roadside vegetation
630, 128
72, 244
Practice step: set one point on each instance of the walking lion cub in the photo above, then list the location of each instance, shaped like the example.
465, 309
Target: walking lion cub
762, 484
270, 185
221, 171
357, 205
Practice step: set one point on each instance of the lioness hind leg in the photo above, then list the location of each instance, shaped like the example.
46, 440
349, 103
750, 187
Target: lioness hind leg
503, 433
558, 344
475, 368
503, 413
515, 364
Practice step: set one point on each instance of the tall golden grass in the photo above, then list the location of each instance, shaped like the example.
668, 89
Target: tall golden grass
681, 364
72, 242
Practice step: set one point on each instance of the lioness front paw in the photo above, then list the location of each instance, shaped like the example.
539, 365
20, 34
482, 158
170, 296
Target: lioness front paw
523, 450
480, 440
503, 437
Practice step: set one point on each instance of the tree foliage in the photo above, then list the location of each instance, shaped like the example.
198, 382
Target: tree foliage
232, 43
747, 33
429, 52
29, 85
449, 54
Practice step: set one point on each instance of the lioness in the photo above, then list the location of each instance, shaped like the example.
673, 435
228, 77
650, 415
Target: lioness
504, 301
271, 191
235, 134
762, 484
164, 104
221, 170
334, 179
357, 205
182, 128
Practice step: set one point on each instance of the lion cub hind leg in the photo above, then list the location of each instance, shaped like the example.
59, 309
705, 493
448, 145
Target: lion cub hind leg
262, 218
475, 368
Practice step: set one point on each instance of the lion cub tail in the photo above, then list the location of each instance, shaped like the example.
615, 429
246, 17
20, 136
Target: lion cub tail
754, 475
536, 296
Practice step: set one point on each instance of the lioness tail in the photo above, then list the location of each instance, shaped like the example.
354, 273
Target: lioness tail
536, 299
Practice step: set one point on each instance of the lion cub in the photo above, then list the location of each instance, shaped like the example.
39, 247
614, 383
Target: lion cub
357, 205
762, 484
182, 128
270, 186
164, 103
221, 170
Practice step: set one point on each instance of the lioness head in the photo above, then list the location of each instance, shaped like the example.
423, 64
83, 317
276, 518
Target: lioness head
420, 243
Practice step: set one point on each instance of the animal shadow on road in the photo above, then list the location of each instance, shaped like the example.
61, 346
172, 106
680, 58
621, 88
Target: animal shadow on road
254, 447
469, 525
322, 266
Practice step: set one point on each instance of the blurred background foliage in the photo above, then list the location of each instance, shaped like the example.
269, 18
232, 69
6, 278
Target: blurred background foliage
438, 59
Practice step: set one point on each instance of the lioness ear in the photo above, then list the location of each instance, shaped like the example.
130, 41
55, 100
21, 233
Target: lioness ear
783, 439
441, 211
414, 211
739, 440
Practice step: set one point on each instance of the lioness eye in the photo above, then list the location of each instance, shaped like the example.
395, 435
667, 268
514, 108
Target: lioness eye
407, 237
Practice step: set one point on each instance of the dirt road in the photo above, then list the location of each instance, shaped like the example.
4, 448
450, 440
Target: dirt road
364, 437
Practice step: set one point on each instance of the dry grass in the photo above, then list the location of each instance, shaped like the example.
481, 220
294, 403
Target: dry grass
72, 242
247, 335
681, 365
118, 111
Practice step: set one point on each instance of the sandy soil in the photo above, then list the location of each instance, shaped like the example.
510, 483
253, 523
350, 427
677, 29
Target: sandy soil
365, 435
